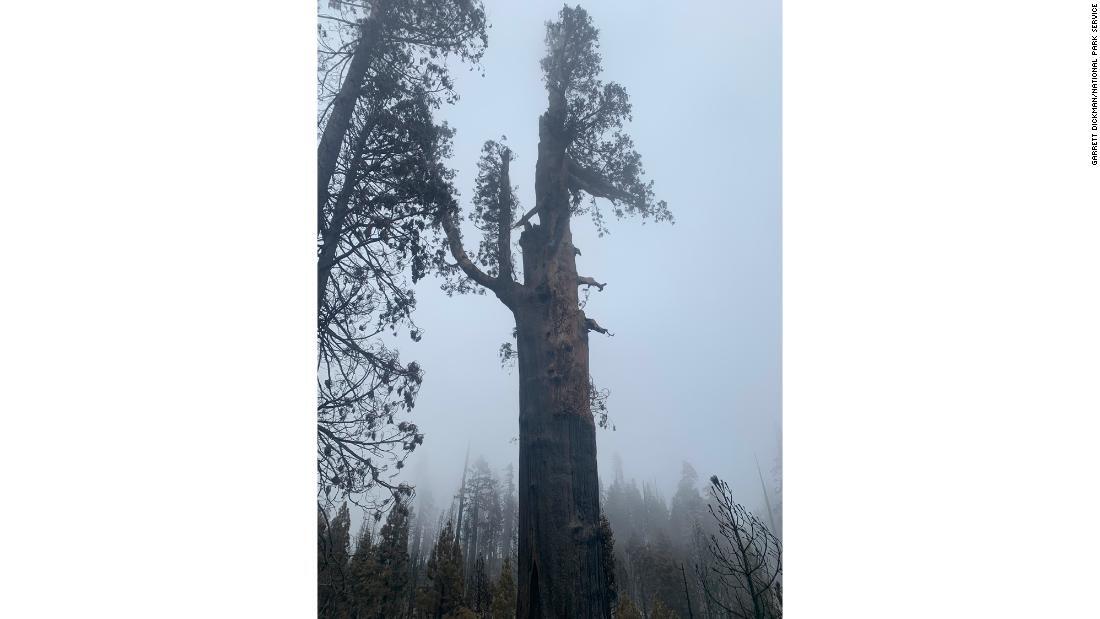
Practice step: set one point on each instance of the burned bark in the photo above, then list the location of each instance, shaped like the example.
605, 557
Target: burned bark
560, 574
559, 560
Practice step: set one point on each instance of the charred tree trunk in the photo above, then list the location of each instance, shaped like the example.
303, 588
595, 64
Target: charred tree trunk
559, 552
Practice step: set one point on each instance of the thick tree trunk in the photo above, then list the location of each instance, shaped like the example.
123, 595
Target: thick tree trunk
559, 551
559, 568
328, 151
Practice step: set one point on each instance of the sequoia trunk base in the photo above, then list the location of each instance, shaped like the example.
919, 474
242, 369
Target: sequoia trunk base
560, 574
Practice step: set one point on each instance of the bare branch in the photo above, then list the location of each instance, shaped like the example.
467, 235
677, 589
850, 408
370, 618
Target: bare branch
748, 557
588, 281
592, 325
526, 218
594, 184
504, 214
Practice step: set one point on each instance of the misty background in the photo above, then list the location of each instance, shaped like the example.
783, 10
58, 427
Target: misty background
693, 369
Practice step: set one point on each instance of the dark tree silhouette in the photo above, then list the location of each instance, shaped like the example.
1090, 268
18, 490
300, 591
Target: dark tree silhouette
334, 582
482, 520
442, 592
382, 35
687, 505
480, 590
504, 593
388, 581
582, 152
747, 559
363, 572
607, 558
381, 73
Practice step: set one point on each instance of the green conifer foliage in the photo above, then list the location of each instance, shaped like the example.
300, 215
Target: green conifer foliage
504, 593
386, 583
333, 573
442, 593
481, 594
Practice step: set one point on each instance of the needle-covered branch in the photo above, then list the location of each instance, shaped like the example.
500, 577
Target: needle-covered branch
588, 116
382, 73
454, 242
343, 105
494, 205
504, 208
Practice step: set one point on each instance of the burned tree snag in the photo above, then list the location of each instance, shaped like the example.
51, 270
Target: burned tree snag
582, 149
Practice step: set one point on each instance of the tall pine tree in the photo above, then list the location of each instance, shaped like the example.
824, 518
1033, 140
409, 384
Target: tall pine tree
334, 585
442, 592
504, 593
387, 589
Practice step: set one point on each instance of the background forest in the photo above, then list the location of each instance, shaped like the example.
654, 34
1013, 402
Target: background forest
697, 554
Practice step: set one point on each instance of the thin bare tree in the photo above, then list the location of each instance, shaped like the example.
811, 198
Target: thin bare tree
746, 559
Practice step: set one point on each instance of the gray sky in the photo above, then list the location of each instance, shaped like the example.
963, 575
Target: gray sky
694, 367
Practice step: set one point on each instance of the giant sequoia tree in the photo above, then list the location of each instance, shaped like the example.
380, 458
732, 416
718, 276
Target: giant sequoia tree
382, 72
583, 155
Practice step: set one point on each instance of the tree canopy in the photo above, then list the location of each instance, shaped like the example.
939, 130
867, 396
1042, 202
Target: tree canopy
382, 72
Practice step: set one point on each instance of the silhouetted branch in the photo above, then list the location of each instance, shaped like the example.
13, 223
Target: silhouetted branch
748, 557
527, 217
594, 184
454, 242
504, 219
592, 325
588, 281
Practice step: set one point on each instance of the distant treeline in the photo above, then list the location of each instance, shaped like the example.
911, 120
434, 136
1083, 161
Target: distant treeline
700, 555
